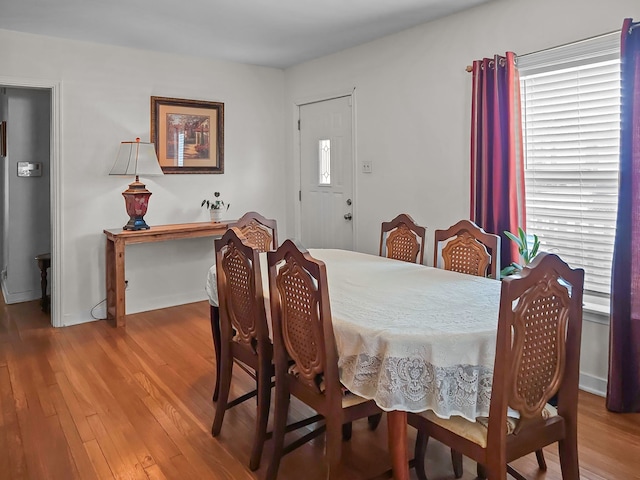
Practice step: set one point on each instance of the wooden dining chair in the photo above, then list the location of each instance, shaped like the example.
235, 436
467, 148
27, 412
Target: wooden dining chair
244, 334
305, 353
537, 356
467, 248
402, 239
261, 232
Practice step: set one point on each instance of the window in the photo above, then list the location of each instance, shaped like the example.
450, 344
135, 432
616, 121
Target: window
571, 131
324, 161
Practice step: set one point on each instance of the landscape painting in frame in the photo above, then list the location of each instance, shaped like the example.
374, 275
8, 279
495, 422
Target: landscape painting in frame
188, 135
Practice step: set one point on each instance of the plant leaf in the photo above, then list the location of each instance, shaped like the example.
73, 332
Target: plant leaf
513, 237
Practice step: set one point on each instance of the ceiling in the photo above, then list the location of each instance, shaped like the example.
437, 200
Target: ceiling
274, 33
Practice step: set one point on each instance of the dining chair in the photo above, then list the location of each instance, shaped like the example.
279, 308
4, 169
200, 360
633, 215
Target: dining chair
306, 357
261, 232
537, 356
244, 334
402, 239
467, 248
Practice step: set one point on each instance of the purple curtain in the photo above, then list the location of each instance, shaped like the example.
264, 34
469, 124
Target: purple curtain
497, 166
623, 388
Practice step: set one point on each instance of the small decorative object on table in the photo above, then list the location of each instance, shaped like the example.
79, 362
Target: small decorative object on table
215, 207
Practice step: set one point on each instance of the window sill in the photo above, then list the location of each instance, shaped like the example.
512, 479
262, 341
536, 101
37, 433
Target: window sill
595, 312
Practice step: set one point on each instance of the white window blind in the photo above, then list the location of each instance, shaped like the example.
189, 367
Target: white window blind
571, 130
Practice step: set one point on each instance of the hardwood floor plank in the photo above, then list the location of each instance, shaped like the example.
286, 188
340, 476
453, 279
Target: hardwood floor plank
12, 459
74, 440
98, 460
96, 402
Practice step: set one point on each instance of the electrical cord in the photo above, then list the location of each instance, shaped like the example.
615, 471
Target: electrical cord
126, 287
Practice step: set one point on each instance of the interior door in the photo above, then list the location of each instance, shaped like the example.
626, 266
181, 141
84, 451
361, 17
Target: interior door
326, 174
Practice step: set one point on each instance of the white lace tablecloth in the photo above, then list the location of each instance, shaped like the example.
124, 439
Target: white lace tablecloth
410, 337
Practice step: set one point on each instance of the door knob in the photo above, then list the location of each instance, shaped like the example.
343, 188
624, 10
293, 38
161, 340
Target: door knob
348, 216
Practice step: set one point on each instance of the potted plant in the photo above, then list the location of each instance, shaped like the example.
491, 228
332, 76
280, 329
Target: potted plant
215, 207
527, 247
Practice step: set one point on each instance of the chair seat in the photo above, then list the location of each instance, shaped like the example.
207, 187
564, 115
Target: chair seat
476, 432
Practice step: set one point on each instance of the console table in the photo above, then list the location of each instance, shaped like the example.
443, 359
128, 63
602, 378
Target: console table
118, 238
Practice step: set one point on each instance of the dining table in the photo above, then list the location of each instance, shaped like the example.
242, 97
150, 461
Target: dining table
411, 337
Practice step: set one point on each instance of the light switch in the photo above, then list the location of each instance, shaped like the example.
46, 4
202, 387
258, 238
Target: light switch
367, 166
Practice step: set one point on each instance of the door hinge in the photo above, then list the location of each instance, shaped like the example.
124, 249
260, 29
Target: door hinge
298, 124
299, 195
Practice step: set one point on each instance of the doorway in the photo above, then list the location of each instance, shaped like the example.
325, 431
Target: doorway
326, 173
29, 188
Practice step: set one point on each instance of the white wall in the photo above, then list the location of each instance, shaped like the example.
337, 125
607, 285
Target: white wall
105, 99
28, 229
413, 112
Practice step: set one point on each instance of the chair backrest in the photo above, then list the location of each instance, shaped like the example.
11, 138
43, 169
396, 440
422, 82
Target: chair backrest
538, 344
402, 239
303, 338
468, 249
261, 233
240, 293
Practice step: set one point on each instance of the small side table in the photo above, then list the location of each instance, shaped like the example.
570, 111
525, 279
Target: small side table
44, 262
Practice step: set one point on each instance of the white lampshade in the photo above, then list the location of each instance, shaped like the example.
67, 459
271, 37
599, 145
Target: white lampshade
136, 158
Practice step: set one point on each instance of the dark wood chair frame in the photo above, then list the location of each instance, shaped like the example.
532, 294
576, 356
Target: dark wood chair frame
537, 355
403, 239
481, 250
244, 337
242, 315
262, 234
303, 336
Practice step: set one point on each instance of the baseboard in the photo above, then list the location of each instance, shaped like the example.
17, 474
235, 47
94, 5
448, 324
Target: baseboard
10, 298
136, 306
595, 385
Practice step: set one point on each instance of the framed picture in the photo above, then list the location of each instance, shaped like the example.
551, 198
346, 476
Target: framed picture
188, 135
3, 139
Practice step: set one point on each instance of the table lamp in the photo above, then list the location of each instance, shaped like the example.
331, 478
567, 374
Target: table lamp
136, 158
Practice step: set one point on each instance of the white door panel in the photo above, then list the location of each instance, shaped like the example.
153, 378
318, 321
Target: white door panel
326, 180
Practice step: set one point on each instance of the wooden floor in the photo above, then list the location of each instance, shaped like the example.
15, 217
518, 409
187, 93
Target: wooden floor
92, 401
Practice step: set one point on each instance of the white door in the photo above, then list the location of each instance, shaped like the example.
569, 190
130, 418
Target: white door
326, 174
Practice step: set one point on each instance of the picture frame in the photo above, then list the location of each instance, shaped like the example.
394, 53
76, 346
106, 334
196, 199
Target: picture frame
188, 135
3, 139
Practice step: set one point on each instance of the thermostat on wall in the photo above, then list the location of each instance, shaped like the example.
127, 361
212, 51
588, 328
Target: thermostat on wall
29, 169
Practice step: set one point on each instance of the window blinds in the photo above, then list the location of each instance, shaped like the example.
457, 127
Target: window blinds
571, 129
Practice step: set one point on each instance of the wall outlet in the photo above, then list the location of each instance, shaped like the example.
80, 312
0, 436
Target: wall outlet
367, 166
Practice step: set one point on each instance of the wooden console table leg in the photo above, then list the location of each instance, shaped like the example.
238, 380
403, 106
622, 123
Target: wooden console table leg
114, 266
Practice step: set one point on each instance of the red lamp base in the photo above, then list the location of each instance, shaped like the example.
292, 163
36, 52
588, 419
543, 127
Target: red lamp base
136, 199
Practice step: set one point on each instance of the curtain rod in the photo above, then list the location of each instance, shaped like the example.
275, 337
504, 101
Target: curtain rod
469, 68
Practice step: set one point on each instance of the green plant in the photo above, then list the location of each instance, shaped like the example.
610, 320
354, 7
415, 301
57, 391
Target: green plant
216, 204
527, 249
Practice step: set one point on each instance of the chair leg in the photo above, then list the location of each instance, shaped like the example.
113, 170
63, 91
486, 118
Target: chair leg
279, 426
226, 370
481, 472
496, 467
456, 461
347, 430
374, 421
264, 400
419, 453
568, 451
215, 333
333, 446
542, 464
